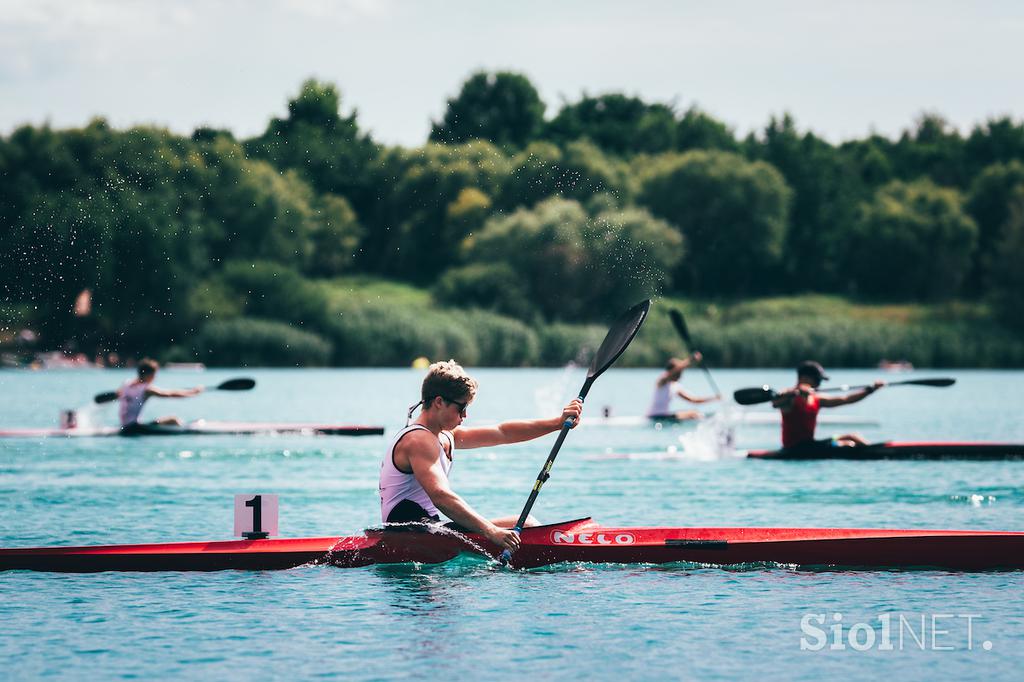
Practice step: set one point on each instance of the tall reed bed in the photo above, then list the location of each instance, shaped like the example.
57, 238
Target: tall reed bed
365, 322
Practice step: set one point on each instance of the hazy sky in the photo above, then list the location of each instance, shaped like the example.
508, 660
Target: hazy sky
841, 68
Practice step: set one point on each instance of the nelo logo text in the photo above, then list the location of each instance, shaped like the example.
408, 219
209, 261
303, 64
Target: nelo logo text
559, 537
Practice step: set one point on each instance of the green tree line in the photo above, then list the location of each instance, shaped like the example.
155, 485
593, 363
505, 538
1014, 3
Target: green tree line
521, 218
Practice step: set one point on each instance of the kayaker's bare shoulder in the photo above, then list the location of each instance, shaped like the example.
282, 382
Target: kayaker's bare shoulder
416, 448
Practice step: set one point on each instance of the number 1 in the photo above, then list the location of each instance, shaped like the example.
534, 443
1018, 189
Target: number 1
257, 513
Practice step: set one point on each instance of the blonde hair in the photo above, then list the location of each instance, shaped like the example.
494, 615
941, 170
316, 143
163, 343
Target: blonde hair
448, 380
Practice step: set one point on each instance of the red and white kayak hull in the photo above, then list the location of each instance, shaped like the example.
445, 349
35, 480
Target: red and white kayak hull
573, 541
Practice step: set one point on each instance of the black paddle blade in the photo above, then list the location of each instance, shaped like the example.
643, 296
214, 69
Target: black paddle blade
618, 338
680, 324
754, 396
236, 385
107, 397
928, 382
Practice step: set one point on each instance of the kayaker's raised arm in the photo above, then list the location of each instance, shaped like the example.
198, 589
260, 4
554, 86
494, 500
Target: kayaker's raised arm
849, 398
689, 397
515, 431
172, 392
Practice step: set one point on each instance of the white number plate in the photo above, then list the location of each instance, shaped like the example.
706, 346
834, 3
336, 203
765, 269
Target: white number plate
255, 513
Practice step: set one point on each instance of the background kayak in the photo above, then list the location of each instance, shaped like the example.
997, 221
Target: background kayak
201, 428
899, 450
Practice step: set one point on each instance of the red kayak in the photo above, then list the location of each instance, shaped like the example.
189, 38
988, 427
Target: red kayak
898, 450
581, 540
201, 428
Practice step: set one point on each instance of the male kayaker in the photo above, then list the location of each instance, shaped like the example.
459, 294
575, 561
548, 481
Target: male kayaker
134, 394
668, 387
800, 405
414, 485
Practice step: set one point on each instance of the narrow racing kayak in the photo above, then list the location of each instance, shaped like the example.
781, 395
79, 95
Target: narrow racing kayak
201, 428
898, 450
581, 540
743, 418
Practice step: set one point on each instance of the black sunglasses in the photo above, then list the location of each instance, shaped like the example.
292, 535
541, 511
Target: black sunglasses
462, 406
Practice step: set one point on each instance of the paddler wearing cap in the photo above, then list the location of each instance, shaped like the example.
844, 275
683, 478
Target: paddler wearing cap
800, 404
668, 387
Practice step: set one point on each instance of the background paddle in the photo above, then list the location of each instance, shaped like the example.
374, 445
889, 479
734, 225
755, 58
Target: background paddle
241, 384
615, 342
680, 324
764, 394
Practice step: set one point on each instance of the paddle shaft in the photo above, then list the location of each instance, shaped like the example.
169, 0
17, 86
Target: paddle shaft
228, 385
754, 396
937, 383
684, 332
711, 381
545, 472
615, 343
542, 477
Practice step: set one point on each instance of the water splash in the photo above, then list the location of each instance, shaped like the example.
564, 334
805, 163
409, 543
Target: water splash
550, 398
88, 416
713, 439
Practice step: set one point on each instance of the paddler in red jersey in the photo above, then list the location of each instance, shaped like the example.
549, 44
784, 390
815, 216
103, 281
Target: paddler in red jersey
414, 486
800, 405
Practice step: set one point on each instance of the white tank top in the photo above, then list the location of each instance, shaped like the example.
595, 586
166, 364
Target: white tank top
133, 397
396, 485
662, 397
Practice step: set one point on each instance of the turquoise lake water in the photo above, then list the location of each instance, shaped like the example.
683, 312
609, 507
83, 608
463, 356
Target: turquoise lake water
469, 618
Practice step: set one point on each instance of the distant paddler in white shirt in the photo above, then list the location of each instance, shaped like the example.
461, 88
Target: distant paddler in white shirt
667, 387
133, 395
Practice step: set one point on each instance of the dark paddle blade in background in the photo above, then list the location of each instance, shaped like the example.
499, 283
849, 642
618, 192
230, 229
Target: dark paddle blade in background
754, 396
241, 384
615, 343
679, 322
764, 394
